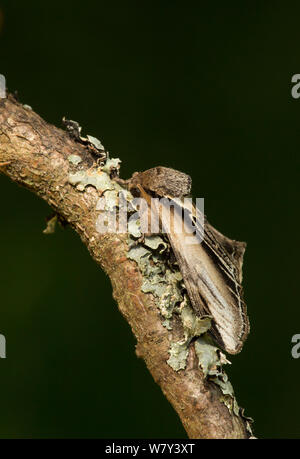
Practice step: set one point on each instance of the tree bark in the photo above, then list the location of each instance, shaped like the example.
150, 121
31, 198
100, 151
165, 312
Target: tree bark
36, 155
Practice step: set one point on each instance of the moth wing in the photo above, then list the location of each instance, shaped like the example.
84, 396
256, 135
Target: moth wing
236, 249
211, 279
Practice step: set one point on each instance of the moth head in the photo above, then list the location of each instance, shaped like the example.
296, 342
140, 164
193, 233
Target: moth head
163, 181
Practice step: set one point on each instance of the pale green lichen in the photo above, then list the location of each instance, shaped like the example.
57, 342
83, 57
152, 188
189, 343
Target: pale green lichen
139, 254
96, 142
155, 242
110, 194
167, 323
231, 404
96, 178
210, 360
74, 159
158, 279
111, 163
193, 326
208, 356
170, 296
134, 227
178, 355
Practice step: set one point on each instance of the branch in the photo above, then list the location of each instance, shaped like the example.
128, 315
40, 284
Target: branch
64, 173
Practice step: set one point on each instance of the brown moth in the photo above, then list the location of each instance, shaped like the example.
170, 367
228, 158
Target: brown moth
212, 268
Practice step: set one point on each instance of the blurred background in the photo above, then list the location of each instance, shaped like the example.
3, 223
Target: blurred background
205, 89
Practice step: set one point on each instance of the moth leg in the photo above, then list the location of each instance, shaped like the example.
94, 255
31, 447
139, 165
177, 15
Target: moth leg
122, 182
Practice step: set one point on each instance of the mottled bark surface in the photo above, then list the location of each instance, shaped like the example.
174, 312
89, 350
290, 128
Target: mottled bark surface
35, 155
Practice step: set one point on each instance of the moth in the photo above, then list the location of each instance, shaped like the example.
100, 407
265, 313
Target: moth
211, 268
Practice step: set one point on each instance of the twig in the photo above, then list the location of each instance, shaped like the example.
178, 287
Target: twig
40, 158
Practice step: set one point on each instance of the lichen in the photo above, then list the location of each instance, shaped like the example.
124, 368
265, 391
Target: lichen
96, 142
94, 177
134, 227
158, 279
193, 326
178, 355
208, 356
111, 164
211, 361
155, 242
74, 159
167, 323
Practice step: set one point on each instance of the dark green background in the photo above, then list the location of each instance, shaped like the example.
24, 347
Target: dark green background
201, 88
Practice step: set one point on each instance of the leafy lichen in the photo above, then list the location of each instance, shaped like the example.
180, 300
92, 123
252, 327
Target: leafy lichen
94, 177
178, 355
158, 278
96, 142
74, 159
